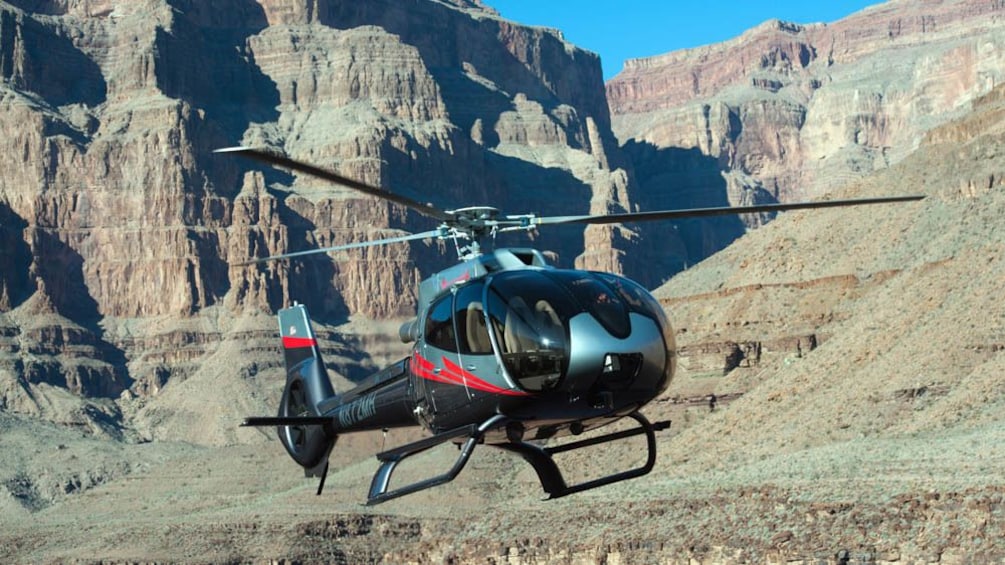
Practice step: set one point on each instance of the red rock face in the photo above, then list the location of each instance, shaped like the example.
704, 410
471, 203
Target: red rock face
420, 98
669, 80
792, 112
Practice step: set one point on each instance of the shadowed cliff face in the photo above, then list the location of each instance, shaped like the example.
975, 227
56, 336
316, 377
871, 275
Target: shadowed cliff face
123, 223
25, 46
16, 258
670, 178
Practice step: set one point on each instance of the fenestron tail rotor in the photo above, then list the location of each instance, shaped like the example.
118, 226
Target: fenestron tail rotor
476, 223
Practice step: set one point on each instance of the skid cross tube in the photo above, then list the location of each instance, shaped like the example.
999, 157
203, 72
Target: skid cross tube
551, 476
390, 459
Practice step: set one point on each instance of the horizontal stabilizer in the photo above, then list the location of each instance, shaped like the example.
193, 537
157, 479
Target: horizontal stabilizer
263, 421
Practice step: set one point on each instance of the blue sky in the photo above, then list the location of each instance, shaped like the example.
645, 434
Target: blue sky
628, 29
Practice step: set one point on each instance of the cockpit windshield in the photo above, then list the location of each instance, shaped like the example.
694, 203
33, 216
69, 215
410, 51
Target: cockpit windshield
598, 299
528, 314
523, 316
640, 301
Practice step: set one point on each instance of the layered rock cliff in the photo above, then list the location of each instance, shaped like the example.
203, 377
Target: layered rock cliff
791, 112
119, 224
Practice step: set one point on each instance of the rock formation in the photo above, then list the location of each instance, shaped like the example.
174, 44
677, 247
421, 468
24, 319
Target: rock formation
860, 417
791, 112
120, 225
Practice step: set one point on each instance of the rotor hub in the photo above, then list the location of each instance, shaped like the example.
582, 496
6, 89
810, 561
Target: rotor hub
474, 218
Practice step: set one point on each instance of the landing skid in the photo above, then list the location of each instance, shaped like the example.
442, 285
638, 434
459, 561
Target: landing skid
390, 459
539, 457
551, 477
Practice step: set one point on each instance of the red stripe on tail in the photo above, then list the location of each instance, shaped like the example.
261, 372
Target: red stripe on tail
296, 342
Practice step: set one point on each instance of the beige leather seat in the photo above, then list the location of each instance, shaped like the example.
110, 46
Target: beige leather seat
517, 333
477, 333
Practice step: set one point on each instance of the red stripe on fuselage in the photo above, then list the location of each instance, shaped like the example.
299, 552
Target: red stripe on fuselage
454, 374
474, 382
425, 369
296, 342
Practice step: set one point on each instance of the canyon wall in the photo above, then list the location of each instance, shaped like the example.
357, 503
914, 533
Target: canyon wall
857, 354
789, 112
120, 305
121, 226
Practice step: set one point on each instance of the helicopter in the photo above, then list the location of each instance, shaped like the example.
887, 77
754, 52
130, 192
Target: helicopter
507, 351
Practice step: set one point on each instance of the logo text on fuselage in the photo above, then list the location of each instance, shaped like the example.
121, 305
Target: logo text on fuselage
358, 410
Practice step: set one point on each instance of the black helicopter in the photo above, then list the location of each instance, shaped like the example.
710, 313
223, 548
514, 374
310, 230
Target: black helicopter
507, 350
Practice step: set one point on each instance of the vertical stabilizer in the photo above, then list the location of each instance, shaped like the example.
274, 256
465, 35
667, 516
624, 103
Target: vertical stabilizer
303, 357
307, 386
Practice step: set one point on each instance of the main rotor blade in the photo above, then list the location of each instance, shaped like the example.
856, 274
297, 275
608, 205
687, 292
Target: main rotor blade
410, 237
721, 211
287, 163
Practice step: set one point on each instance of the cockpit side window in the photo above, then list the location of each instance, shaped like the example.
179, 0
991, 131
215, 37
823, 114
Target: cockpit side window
469, 315
439, 328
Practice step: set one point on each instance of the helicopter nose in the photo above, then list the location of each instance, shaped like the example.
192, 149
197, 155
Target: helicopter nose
604, 368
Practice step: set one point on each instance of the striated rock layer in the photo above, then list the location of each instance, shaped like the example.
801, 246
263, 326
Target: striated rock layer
859, 416
119, 224
791, 112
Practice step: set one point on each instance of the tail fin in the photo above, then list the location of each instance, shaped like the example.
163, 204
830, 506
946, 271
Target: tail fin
303, 357
307, 386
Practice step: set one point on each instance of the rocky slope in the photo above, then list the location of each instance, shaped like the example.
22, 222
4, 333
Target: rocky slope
791, 112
